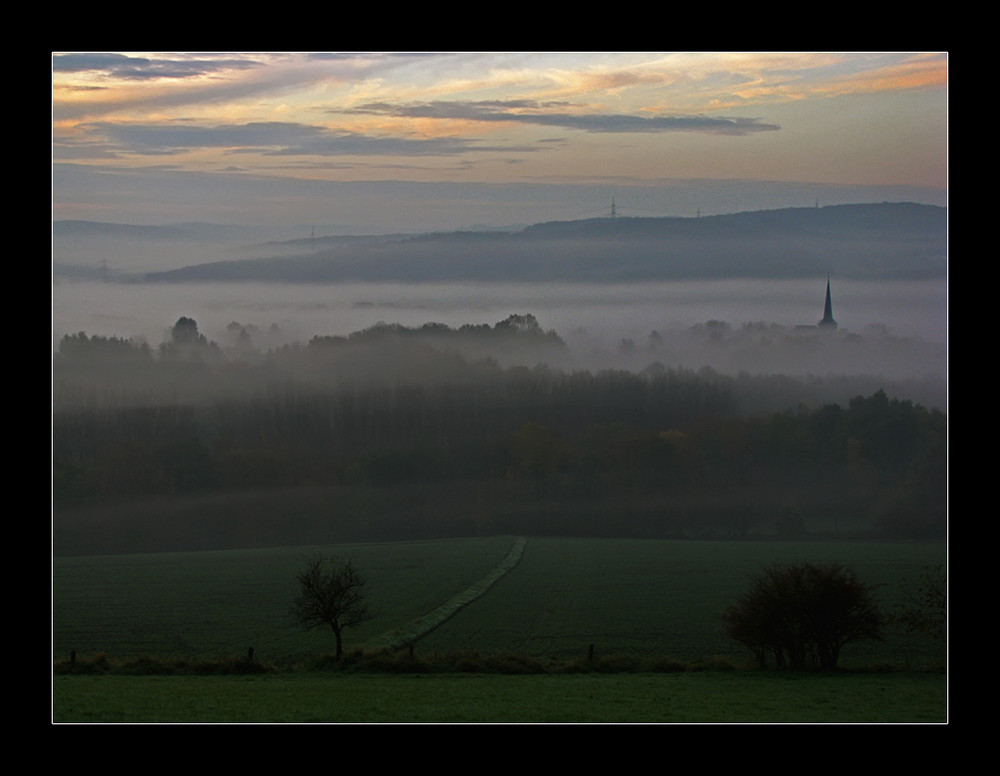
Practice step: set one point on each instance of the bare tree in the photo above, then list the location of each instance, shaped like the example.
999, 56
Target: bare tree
331, 593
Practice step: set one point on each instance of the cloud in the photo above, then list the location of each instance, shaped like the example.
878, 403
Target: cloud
143, 68
175, 138
349, 143
272, 138
542, 113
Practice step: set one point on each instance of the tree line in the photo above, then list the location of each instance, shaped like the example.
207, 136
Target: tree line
666, 447
665, 451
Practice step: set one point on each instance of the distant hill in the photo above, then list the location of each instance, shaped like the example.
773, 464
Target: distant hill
877, 241
71, 228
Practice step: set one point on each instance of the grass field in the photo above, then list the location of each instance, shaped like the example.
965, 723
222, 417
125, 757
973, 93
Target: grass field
636, 597
708, 696
624, 597
204, 605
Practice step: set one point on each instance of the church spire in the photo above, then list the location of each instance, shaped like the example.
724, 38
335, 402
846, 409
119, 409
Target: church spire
828, 321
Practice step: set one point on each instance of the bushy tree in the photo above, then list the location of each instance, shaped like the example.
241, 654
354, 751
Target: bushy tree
186, 342
331, 593
185, 332
802, 615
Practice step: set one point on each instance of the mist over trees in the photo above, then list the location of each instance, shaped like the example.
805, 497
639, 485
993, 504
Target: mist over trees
394, 432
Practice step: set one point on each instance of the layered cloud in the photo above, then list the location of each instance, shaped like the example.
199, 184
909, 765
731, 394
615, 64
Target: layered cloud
292, 138
134, 68
555, 115
274, 138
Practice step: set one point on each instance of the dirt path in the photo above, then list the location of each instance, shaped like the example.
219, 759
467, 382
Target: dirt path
416, 629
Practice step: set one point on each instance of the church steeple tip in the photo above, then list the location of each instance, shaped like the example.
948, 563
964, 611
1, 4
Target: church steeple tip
828, 321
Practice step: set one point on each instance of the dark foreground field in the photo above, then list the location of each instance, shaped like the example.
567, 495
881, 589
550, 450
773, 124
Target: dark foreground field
702, 697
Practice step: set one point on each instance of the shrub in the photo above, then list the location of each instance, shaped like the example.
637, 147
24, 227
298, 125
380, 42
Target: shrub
802, 615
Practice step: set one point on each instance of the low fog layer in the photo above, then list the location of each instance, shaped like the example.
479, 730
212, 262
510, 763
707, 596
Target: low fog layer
693, 397
746, 293
892, 328
245, 359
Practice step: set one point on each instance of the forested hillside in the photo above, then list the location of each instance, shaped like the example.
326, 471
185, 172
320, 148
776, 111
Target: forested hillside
396, 433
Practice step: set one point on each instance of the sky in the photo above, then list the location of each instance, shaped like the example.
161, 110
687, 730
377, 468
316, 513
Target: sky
388, 141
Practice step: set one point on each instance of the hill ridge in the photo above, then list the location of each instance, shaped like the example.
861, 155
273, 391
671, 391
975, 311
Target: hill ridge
870, 241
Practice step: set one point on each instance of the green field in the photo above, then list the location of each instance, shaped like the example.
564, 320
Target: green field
706, 696
207, 605
624, 597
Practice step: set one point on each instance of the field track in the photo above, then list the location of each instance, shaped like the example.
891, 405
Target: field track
421, 626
